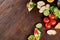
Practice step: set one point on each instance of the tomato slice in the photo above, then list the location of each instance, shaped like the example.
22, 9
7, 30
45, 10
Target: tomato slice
35, 31
46, 20
53, 22
52, 16
48, 25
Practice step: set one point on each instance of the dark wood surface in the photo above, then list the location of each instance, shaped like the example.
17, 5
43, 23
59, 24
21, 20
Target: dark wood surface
16, 23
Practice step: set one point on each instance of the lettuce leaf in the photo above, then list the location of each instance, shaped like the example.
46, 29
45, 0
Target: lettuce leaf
52, 9
32, 5
57, 12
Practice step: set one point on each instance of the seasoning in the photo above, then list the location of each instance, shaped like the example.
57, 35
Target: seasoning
58, 3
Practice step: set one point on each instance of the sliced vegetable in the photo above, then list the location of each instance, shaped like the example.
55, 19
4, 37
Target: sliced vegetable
37, 33
48, 25
31, 37
36, 36
53, 22
52, 16
39, 25
46, 12
46, 20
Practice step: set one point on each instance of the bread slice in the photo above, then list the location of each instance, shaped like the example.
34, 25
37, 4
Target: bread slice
28, 7
57, 26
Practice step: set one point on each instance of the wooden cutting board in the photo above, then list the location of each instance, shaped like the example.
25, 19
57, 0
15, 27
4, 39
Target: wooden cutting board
16, 23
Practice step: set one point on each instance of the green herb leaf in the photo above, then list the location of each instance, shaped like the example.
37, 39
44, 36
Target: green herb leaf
59, 14
52, 9
32, 5
56, 12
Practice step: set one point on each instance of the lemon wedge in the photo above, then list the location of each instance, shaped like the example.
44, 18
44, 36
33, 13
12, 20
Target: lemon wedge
50, 1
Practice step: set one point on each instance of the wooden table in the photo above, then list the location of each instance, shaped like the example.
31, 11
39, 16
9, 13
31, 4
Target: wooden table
16, 23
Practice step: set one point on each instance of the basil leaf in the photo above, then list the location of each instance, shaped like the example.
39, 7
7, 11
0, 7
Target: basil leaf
52, 9
32, 5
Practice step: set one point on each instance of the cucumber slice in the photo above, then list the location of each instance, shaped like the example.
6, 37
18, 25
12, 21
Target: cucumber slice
39, 25
31, 37
46, 12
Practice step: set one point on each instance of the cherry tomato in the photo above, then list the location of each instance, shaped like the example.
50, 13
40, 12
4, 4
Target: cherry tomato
52, 16
35, 31
48, 26
53, 22
46, 20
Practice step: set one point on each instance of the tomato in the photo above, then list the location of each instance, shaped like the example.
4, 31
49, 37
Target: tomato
53, 22
48, 26
35, 31
52, 16
46, 20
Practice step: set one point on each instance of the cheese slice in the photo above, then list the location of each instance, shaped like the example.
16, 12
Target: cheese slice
51, 32
57, 26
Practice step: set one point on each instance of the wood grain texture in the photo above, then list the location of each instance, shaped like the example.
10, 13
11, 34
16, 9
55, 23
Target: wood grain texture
16, 23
